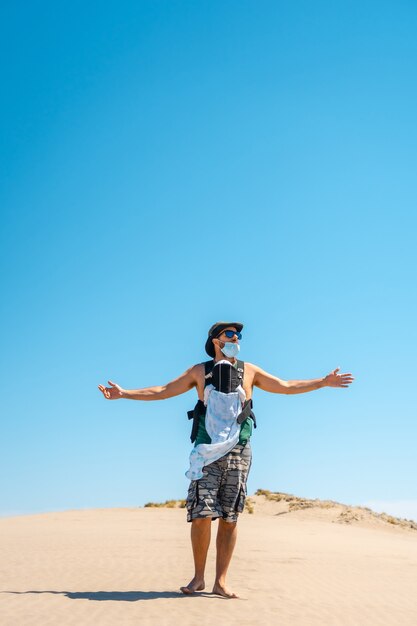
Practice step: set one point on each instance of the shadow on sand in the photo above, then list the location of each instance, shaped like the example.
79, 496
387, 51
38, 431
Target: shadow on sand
121, 596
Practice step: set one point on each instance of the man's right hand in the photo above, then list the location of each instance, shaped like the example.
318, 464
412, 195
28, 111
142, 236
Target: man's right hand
115, 392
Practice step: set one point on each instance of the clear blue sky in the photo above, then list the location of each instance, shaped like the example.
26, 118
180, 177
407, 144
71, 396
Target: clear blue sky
168, 164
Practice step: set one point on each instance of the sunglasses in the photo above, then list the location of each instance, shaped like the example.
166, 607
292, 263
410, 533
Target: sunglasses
230, 333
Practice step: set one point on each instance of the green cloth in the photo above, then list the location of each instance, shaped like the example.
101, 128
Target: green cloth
204, 437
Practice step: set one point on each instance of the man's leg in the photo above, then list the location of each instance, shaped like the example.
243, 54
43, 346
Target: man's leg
202, 506
200, 540
232, 495
225, 543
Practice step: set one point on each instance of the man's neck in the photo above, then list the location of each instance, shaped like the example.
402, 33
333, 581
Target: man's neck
231, 360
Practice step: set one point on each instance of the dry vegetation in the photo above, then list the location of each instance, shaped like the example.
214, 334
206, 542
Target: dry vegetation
249, 506
347, 515
168, 504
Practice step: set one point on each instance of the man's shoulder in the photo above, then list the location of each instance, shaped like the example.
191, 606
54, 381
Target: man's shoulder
197, 369
250, 366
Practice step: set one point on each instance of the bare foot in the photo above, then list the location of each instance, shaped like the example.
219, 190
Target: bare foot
193, 585
221, 590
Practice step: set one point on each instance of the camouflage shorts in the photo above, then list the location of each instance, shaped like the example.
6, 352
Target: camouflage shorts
222, 490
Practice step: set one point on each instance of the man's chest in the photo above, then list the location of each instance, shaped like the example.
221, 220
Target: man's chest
247, 382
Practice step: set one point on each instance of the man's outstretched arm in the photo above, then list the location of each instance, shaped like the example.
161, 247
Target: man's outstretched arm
179, 385
271, 383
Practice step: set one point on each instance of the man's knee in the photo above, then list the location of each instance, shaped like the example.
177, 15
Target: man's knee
226, 525
201, 521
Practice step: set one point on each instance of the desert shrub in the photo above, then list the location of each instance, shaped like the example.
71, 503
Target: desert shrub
168, 504
249, 506
262, 492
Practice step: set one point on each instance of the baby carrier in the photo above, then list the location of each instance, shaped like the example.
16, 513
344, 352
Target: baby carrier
218, 420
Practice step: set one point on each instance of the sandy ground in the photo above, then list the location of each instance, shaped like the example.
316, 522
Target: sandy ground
319, 566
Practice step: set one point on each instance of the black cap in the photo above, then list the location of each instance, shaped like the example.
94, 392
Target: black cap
215, 331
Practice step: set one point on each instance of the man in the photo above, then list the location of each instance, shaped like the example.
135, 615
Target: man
222, 489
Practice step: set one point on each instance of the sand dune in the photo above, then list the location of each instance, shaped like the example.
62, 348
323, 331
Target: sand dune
297, 562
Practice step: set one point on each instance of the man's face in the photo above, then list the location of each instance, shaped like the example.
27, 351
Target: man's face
221, 339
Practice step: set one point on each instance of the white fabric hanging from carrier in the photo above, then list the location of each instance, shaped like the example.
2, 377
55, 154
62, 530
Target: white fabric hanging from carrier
222, 427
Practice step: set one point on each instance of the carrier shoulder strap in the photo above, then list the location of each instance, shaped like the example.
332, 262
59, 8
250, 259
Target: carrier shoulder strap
248, 404
208, 371
246, 412
240, 366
